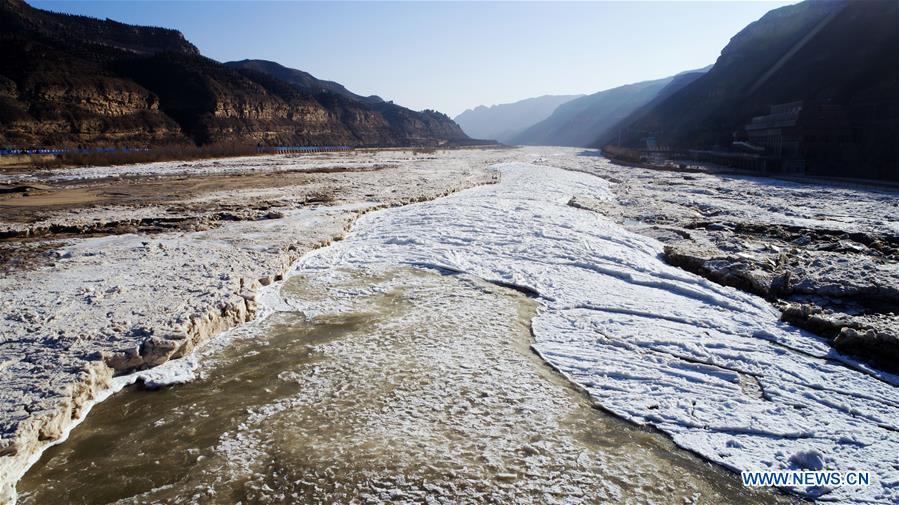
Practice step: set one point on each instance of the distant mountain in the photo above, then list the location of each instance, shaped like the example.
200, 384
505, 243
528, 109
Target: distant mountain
303, 81
832, 67
502, 122
580, 122
73, 80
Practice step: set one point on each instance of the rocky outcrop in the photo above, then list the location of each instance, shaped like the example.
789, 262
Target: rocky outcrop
872, 336
842, 286
825, 255
69, 81
367, 120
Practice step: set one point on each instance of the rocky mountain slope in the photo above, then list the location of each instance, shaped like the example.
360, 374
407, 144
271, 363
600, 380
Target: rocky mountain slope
369, 119
68, 81
502, 122
837, 57
612, 134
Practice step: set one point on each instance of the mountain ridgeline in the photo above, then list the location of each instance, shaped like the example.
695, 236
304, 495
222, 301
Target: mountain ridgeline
503, 122
811, 87
572, 120
821, 79
577, 122
304, 81
70, 81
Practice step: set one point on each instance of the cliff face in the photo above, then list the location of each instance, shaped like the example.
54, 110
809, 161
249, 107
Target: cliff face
71, 81
368, 120
212, 103
56, 91
832, 55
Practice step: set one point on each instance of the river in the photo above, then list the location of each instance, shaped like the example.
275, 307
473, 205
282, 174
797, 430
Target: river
401, 364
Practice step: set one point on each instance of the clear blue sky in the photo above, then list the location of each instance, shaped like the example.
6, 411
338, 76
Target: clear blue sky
452, 56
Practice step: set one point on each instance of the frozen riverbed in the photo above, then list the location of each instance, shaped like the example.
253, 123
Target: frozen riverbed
391, 385
98, 300
712, 367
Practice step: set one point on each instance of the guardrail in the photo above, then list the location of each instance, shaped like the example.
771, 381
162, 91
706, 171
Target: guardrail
50, 151
99, 150
302, 149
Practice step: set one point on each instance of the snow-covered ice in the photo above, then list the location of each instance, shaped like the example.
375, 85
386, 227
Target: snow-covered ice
711, 366
246, 164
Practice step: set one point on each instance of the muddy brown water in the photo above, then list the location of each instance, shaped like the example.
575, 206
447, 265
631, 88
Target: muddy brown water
403, 386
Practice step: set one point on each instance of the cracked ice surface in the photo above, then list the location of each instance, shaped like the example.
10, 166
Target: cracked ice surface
712, 367
213, 166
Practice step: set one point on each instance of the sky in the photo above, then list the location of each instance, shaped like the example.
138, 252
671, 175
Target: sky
452, 56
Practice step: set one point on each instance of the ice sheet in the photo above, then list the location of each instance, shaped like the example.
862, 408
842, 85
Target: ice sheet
712, 367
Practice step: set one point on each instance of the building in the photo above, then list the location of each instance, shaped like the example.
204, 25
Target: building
778, 132
803, 135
